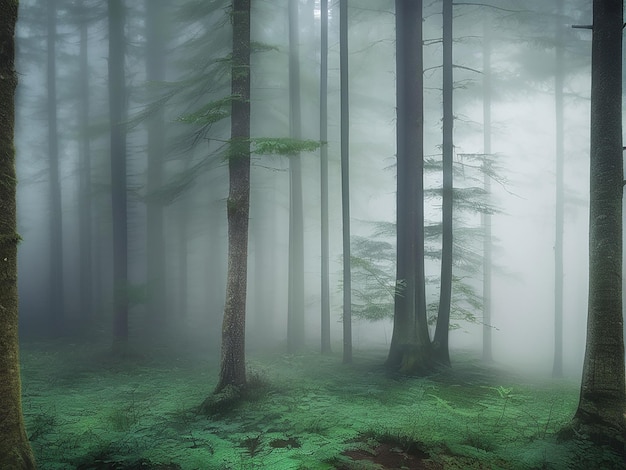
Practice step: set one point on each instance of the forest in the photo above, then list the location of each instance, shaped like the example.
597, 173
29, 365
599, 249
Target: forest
311, 234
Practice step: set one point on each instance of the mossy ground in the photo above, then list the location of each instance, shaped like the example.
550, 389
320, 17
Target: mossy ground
85, 410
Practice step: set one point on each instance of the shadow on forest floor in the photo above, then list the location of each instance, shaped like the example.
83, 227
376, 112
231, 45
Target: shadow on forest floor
86, 412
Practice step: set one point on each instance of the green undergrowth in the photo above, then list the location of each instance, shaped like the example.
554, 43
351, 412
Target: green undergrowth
305, 412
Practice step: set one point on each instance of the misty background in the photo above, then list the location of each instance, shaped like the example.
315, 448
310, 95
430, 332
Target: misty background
193, 187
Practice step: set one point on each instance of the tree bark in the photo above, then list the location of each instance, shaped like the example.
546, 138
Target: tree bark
15, 450
233, 367
440, 344
602, 406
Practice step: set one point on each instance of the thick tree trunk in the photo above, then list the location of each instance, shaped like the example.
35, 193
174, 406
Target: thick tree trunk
117, 110
325, 262
295, 318
410, 350
602, 406
233, 367
440, 344
15, 451
345, 180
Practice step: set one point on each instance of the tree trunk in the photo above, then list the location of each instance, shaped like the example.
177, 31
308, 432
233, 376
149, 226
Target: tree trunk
602, 406
410, 348
15, 451
295, 319
440, 345
325, 262
233, 366
486, 218
56, 225
117, 110
345, 180
557, 366
155, 72
84, 186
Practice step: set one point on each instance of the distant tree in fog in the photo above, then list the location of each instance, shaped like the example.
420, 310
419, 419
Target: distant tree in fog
601, 412
15, 450
117, 115
56, 307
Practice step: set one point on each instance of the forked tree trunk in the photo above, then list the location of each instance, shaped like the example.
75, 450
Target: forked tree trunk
15, 451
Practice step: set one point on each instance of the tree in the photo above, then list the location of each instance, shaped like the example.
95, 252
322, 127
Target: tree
295, 318
155, 72
440, 341
15, 450
56, 226
345, 180
601, 411
410, 348
233, 367
557, 366
117, 111
325, 264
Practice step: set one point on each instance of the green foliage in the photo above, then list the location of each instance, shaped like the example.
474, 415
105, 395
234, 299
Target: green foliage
211, 112
283, 146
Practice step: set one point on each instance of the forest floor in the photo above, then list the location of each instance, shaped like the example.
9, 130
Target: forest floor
85, 411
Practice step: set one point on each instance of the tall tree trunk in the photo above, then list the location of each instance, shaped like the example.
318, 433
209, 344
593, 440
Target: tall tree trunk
295, 319
56, 225
233, 366
486, 218
325, 263
602, 406
557, 366
440, 345
84, 185
117, 110
15, 451
345, 180
410, 348
155, 72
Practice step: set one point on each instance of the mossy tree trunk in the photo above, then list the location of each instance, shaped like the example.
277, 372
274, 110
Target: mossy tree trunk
602, 406
15, 451
233, 366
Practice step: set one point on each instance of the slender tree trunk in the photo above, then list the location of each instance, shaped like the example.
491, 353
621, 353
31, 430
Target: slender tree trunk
295, 319
557, 366
155, 72
117, 110
345, 180
602, 407
440, 345
56, 225
486, 218
84, 189
325, 264
233, 366
15, 450
410, 350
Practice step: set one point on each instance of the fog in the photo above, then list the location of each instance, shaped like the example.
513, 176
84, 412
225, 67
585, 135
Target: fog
194, 183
